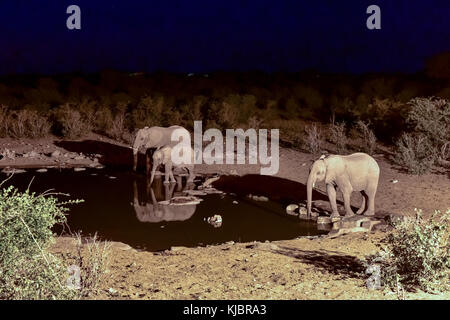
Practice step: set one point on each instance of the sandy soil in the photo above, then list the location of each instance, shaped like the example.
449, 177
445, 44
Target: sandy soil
302, 268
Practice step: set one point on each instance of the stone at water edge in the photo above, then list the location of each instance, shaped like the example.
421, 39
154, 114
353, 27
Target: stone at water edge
290, 209
323, 220
55, 154
42, 170
303, 211
79, 169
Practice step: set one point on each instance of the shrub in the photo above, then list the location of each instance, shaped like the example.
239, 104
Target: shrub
415, 153
117, 129
23, 124
71, 122
369, 140
149, 112
27, 269
430, 117
337, 135
417, 253
91, 260
313, 141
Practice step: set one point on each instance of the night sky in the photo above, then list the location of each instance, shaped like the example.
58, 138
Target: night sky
205, 36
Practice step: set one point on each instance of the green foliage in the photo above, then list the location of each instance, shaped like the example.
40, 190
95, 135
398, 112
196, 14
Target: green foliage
416, 255
27, 269
415, 153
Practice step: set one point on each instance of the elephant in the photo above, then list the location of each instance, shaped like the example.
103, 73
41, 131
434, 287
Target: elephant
155, 212
355, 172
155, 137
164, 156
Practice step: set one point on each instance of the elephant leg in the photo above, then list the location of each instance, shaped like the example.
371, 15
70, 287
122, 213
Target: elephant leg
348, 210
331, 191
363, 203
153, 172
168, 173
172, 178
372, 190
148, 161
191, 174
135, 193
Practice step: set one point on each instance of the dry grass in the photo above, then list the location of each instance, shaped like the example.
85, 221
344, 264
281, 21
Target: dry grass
313, 141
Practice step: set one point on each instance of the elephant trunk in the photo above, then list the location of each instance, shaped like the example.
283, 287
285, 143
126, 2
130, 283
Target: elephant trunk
309, 187
135, 158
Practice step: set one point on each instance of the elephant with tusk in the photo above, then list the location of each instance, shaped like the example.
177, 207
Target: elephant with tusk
355, 172
156, 137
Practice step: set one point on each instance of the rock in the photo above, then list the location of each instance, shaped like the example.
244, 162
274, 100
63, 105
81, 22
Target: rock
209, 181
42, 170
339, 232
33, 154
258, 198
9, 170
303, 211
10, 154
215, 220
235, 202
290, 209
79, 169
112, 178
394, 181
233, 172
352, 222
210, 190
195, 192
314, 214
323, 220
55, 154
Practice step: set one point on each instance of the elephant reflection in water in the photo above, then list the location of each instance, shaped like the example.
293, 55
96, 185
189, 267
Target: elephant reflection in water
153, 211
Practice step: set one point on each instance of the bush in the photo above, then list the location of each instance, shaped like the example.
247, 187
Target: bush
91, 260
23, 123
313, 141
417, 254
27, 269
415, 153
72, 123
338, 137
369, 140
430, 117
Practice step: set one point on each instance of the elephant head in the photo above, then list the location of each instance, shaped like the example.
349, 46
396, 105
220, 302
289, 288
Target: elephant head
155, 137
317, 172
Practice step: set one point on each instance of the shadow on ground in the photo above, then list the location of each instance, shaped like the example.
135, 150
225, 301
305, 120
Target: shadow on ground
112, 155
331, 262
277, 189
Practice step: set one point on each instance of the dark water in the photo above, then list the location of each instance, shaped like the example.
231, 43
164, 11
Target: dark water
120, 206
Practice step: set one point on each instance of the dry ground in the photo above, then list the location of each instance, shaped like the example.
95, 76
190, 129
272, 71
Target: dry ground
293, 269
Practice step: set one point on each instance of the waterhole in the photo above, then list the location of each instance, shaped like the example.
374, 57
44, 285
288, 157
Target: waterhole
121, 206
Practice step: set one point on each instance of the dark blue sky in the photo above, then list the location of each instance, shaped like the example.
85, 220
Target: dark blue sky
203, 36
